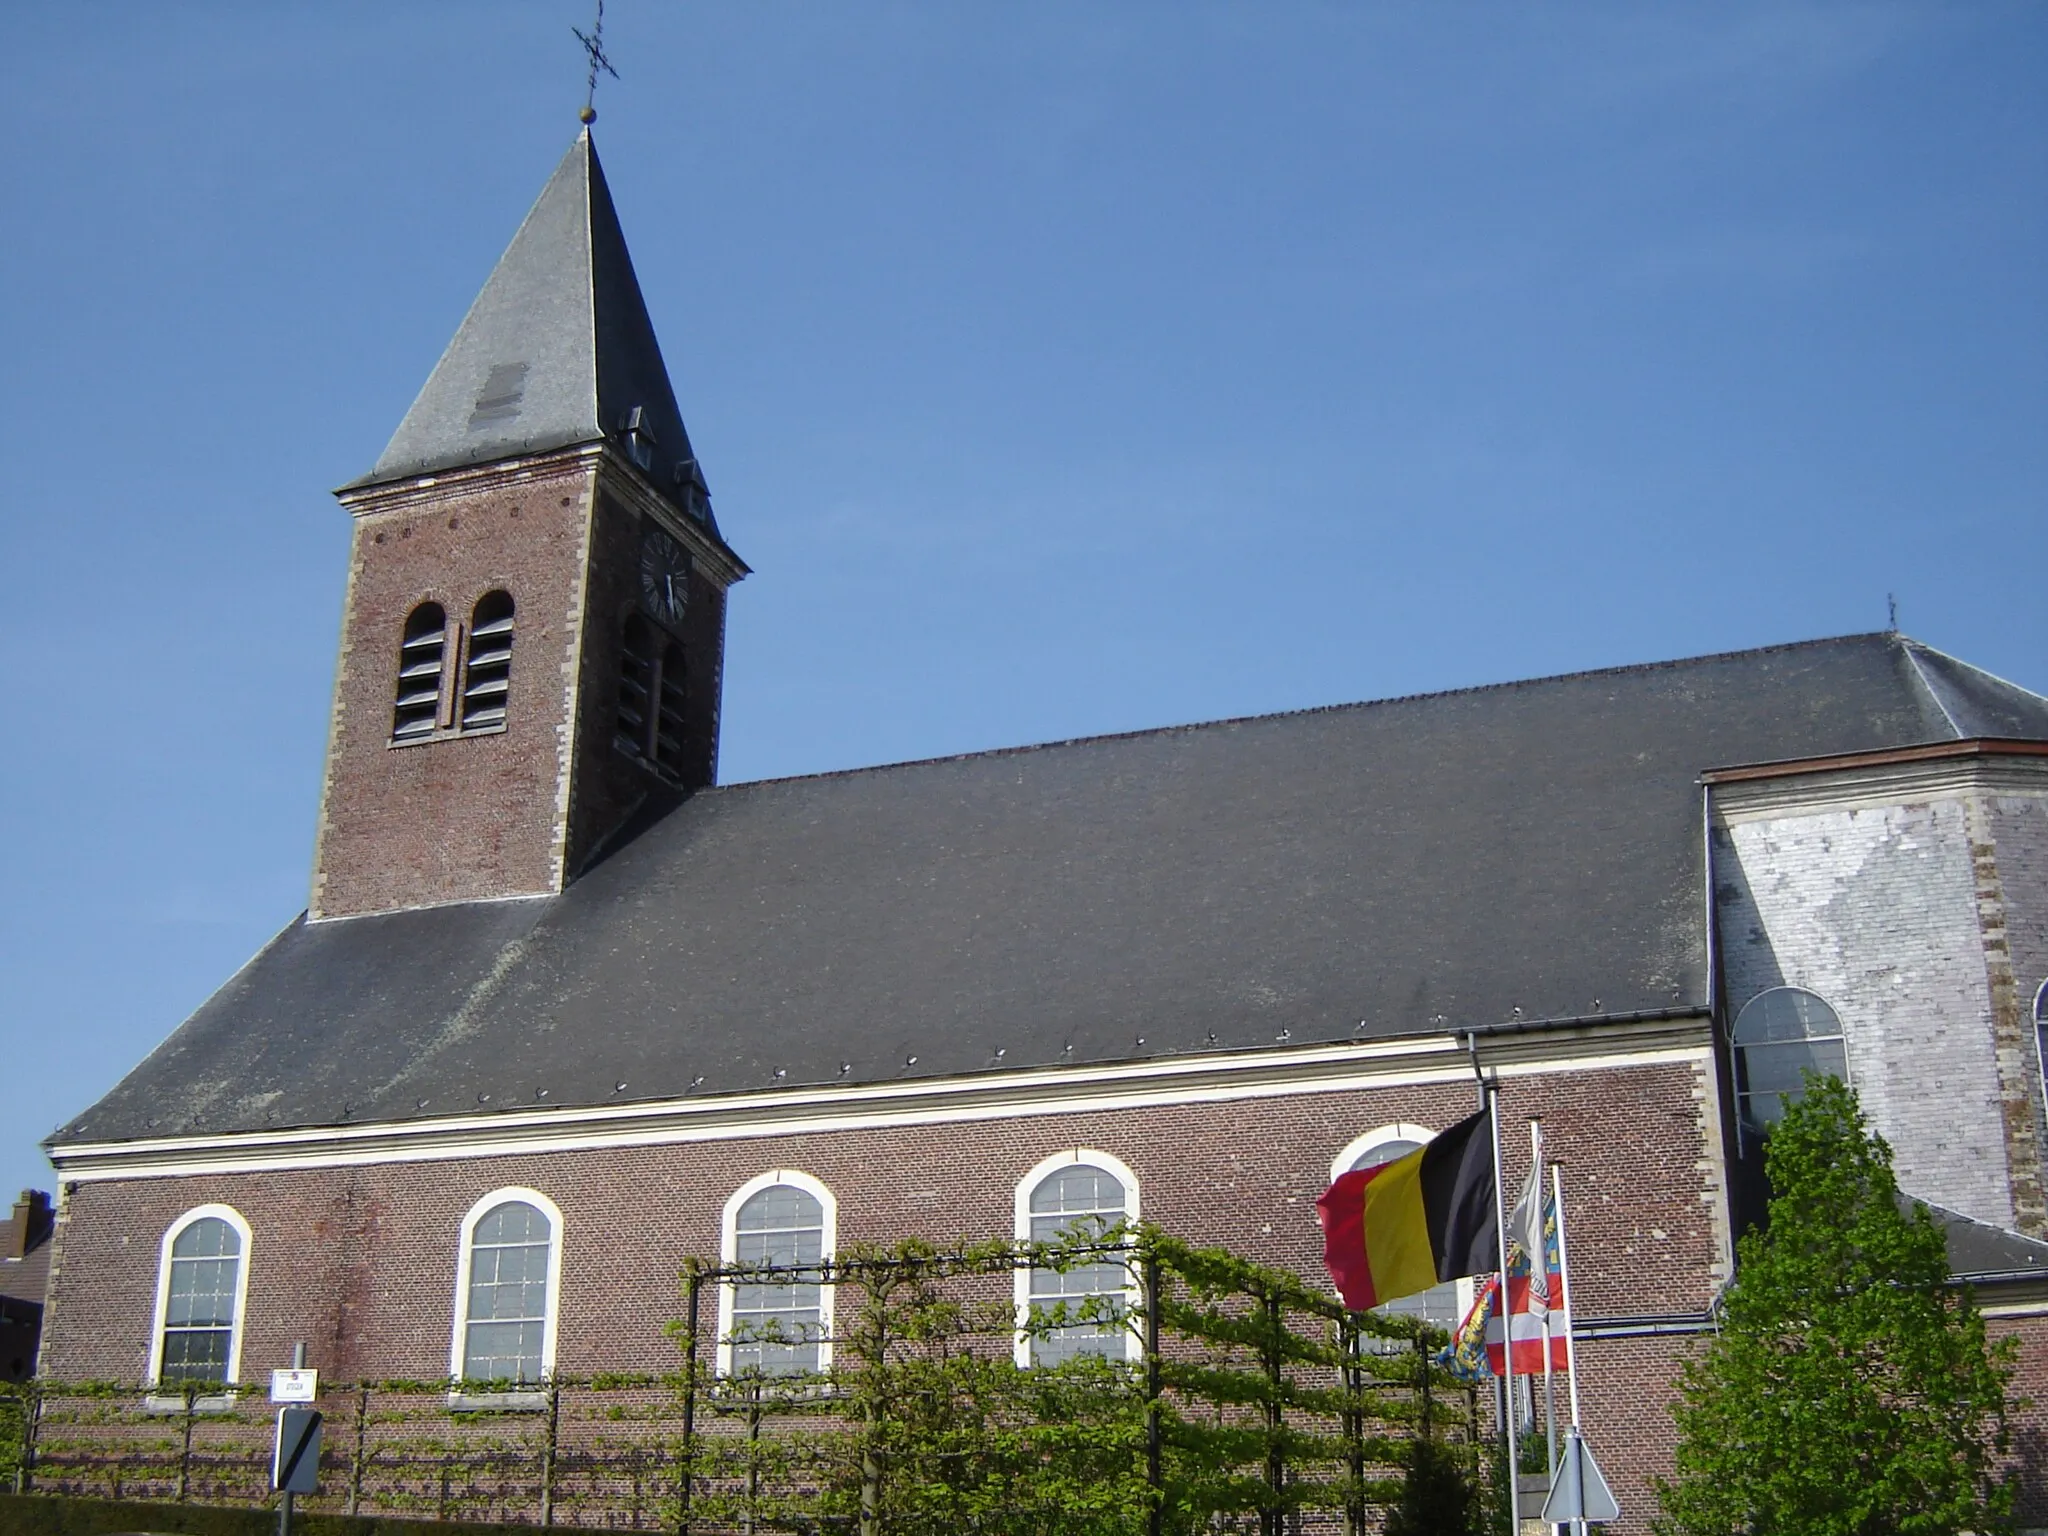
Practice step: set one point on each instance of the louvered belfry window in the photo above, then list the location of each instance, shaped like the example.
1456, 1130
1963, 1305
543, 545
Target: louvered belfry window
421, 657
487, 679
636, 685
668, 730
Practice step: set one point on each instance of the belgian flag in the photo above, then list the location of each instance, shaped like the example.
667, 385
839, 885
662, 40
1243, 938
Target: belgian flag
1407, 1225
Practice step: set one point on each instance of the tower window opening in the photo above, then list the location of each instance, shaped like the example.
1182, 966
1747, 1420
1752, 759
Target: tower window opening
672, 694
422, 655
487, 679
636, 686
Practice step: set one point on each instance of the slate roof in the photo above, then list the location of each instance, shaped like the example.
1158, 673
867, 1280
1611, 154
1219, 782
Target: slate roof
557, 350
1367, 870
1976, 1248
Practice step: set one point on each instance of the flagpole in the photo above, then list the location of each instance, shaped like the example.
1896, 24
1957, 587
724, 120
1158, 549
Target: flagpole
1539, 1268
1564, 1287
1507, 1329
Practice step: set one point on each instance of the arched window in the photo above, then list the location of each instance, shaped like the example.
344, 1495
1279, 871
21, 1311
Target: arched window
202, 1279
2041, 1030
636, 685
786, 1220
1443, 1306
673, 692
1780, 1035
487, 679
505, 1289
421, 656
1079, 1194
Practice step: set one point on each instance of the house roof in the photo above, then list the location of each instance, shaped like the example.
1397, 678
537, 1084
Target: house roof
556, 350
1460, 859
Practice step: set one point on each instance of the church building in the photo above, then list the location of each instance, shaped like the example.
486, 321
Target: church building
563, 1010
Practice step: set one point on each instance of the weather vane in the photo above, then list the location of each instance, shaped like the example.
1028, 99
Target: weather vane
593, 46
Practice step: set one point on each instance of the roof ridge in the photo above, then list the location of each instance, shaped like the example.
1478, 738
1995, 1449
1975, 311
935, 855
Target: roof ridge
1019, 749
2004, 682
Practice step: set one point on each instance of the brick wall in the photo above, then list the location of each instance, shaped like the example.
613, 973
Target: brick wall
364, 1258
460, 817
454, 818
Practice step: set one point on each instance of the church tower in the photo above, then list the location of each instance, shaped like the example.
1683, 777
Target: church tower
532, 640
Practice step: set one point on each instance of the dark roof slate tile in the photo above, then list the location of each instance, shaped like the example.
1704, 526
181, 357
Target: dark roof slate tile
1366, 870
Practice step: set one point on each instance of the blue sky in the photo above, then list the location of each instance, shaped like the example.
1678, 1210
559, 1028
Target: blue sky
1060, 369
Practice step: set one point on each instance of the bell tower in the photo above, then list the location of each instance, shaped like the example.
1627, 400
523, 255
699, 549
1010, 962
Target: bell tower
532, 640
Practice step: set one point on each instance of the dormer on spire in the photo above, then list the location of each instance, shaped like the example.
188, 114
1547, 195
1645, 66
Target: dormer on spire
557, 350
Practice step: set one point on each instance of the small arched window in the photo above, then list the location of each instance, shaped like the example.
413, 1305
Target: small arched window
673, 693
202, 1279
1078, 1194
1443, 1306
1781, 1035
779, 1327
505, 1289
487, 678
422, 655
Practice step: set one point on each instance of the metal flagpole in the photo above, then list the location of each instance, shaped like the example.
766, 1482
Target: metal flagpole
1564, 1289
1500, 1232
1539, 1267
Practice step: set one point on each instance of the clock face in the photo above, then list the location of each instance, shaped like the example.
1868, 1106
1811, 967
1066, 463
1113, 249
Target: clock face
664, 576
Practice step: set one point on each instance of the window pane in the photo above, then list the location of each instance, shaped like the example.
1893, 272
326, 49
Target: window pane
1383, 1152
503, 1352
513, 1222
199, 1354
777, 1326
199, 1302
1785, 1013
508, 1294
210, 1238
1079, 1201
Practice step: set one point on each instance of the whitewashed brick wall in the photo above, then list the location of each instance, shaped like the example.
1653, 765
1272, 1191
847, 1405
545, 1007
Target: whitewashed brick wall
1875, 909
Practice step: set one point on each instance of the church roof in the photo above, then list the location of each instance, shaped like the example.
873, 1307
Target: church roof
1530, 850
557, 350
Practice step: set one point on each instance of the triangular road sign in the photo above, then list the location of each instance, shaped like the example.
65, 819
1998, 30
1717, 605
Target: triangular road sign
1579, 1492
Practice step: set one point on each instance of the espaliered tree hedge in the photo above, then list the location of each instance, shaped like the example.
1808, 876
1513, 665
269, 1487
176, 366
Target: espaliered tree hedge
1248, 1400
1252, 1400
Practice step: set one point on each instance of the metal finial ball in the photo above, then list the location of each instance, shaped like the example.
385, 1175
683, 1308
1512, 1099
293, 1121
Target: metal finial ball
587, 116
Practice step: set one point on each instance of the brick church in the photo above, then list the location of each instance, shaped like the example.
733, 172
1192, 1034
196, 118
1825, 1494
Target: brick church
563, 1009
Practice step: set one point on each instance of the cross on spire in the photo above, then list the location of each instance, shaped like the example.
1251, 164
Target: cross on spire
593, 47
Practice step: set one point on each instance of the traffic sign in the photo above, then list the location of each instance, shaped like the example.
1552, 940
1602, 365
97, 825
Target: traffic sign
294, 1386
295, 1462
1579, 1492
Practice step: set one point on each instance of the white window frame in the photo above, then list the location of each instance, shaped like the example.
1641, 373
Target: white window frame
1399, 1130
459, 1338
729, 1248
225, 1396
1133, 1293
1358, 1146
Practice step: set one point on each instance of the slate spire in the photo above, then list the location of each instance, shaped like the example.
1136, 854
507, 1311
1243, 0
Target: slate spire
557, 350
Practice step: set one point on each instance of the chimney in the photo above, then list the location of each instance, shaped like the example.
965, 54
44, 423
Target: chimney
30, 1221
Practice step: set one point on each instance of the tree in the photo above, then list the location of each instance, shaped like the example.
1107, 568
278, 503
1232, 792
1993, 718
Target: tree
1851, 1390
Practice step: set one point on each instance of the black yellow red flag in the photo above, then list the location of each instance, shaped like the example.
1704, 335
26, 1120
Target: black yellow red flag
1415, 1222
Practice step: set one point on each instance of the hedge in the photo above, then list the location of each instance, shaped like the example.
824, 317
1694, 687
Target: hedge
37, 1514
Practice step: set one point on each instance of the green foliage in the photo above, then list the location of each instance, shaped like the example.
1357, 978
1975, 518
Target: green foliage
43, 1515
1438, 1497
1851, 1390
1260, 1402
